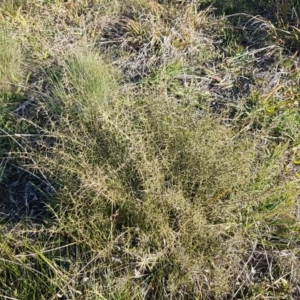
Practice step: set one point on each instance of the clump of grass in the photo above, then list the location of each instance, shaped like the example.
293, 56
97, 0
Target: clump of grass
163, 201
86, 83
12, 70
11, 62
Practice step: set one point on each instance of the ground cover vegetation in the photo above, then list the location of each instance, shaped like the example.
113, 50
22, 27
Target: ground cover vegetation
149, 149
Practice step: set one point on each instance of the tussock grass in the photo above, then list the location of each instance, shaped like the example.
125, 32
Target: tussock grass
11, 63
169, 168
12, 71
85, 84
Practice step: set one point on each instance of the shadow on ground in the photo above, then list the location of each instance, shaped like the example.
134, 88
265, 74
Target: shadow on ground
24, 197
